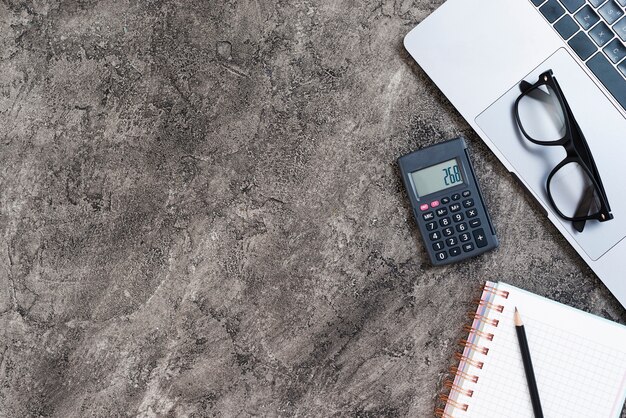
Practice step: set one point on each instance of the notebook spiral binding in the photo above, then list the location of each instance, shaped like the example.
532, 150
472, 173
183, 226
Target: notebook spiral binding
482, 316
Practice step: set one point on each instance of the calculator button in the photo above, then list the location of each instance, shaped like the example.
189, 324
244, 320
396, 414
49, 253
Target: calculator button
452, 241
434, 204
466, 193
441, 256
438, 246
458, 217
461, 227
431, 226
445, 200
447, 232
468, 247
471, 213
479, 237
474, 223
442, 212
434, 236
468, 203
464, 237
456, 196
424, 207
455, 207
455, 251
445, 221
428, 216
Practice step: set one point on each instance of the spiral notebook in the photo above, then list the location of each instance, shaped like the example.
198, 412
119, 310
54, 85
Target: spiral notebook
579, 360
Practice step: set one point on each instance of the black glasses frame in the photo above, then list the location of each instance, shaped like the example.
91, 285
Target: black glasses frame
575, 146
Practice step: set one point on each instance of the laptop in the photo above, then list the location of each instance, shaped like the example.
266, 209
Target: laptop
479, 51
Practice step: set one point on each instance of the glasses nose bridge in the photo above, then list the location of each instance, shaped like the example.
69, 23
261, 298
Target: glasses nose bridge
570, 149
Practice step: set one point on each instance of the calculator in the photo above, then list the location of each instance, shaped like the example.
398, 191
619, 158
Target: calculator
447, 203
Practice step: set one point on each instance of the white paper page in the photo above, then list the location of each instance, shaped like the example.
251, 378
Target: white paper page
579, 362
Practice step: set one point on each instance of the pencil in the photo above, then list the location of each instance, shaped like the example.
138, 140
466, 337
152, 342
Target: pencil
528, 365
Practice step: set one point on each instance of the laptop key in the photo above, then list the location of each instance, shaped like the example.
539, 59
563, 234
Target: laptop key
615, 50
572, 5
596, 3
608, 75
620, 28
582, 45
566, 27
538, 2
622, 67
601, 34
622, 3
586, 17
552, 10
611, 12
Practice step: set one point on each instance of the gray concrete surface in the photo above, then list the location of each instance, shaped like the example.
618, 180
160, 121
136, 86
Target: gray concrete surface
201, 213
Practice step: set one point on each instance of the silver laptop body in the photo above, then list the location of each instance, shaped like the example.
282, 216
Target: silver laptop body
478, 51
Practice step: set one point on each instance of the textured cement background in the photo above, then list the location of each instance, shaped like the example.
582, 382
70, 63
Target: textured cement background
201, 213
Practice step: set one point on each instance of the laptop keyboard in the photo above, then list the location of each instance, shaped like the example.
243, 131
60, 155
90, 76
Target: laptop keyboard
596, 31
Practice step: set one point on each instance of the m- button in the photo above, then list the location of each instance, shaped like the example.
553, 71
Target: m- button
479, 237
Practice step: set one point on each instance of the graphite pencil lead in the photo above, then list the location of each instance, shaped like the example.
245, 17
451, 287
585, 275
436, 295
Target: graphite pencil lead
517, 318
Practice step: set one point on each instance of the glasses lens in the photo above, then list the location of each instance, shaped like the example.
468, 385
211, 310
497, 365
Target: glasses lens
541, 114
573, 192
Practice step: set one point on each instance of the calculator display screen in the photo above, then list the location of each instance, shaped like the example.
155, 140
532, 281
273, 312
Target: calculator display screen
437, 177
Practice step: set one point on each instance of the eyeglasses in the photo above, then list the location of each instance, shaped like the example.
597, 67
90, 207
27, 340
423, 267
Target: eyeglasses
574, 186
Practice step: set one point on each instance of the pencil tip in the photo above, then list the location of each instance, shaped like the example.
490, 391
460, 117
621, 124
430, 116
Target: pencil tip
517, 318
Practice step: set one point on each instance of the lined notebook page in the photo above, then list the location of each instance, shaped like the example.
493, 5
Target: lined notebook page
579, 361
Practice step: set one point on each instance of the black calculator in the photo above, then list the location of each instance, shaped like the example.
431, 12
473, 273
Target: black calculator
447, 203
